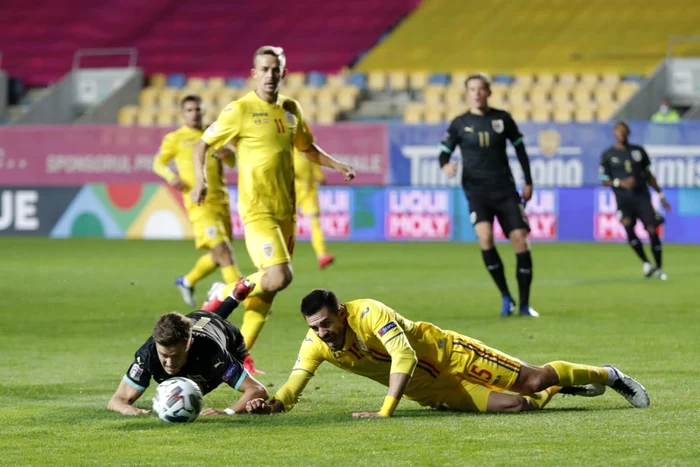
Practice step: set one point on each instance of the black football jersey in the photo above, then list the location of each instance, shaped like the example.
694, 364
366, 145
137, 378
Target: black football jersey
482, 140
215, 356
631, 161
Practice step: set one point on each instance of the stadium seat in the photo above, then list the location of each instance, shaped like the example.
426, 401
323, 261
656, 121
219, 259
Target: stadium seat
541, 114
457, 79
418, 80
454, 96
335, 81
611, 80
520, 114
295, 80
316, 79
157, 80
347, 97
216, 82
226, 95
569, 80
398, 80
562, 115
584, 115
307, 98
432, 95
236, 82
539, 95
606, 112
326, 115
503, 79
325, 97
524, 80
582, 97
376, 80
440, 79
127, 115
603, 94
358, 80
176, 80
169, 98
560, 96
166, 118
413, 113
626, 90
145, 117
589, 80
453, 111
434, 114
545, 80
517, 95
196, 83
148, 96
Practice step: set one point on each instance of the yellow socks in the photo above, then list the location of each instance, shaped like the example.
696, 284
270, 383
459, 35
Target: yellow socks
573, 374
317, 242
203, 267
231, 273
256, 311
539, 399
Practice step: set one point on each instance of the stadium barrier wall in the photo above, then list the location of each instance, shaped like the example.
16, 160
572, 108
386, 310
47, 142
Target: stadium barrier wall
155, 211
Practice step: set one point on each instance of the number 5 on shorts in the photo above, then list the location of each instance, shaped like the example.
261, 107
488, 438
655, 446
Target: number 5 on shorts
482, 374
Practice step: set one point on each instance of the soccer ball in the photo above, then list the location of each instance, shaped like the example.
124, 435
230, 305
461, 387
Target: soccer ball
178, 400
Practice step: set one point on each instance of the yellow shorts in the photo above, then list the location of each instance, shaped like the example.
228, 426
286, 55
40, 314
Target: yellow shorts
270, 241
307, 202
211, 225
479, 370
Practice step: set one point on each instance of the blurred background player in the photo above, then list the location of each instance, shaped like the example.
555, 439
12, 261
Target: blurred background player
211, 219
436, 368
307, 178
201, 346
627, 169
488, 184
264, 127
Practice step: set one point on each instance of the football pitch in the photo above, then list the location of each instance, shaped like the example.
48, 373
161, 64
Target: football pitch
75, 311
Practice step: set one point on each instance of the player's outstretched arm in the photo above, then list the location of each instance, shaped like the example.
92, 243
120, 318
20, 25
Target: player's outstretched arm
252, 389
199, 191
318, 156
397, 386
655, 185
285, 398
122, 401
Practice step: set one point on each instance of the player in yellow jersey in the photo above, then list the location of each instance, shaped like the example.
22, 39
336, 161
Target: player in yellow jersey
307, 178
434, 367
264, 127
211, 219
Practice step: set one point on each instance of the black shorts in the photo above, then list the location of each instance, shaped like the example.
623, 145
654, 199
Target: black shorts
508, 208
638, 206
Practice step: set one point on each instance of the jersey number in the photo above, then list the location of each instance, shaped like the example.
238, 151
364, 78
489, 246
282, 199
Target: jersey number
280, 125
628, 166
200, 323
483, 373
484, 139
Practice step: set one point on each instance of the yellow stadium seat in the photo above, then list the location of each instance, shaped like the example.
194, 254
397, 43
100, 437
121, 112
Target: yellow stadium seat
251, 84
498, 101
524, 80
295, 80
582, 96
148, 96
347, 97
517, 95
158, 80
539, 95
216, 82
326, 115
325, 97
520, 114
605, 113
310, 115
541, 114
603, 95
454, 96
145, 117
589, 80
567, 80
454, 111
562, 115
127, 115
169, 98
398, 80
413, 113
376, 81
418, 80
561, 96
611, 79
545, 80
335, 81
626, 90
434, 115
458, 78
196, 83
584, 115
166, 118
307, 98
433, 95
226, 95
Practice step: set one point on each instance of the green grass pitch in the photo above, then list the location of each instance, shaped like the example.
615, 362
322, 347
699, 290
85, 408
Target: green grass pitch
75, 311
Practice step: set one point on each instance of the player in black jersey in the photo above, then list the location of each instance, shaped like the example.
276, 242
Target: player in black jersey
626, 168
202, 346
488, 184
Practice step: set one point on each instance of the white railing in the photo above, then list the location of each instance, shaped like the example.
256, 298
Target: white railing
131, 52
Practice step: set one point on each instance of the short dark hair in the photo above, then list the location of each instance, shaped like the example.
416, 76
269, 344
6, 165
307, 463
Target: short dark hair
274, 51
317, 299
190, 98
622, 123
172, 329
482, 76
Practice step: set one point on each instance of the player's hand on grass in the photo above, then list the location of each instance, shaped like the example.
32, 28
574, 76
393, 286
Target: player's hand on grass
178, 184
198, 193
527, 193
346, 170
258, 407
213, 412
367, 415
131, 410
628, 183
450, 169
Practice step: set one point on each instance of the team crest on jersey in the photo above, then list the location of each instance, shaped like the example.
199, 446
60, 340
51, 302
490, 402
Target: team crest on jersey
361, 344
212, 129
498, 125
637, 155
211, 231
291, 119
468, 129
614, 160
268, 249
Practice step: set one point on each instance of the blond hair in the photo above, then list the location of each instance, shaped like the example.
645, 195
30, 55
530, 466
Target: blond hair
271, 50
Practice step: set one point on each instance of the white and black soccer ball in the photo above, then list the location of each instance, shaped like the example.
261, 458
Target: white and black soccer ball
178, 400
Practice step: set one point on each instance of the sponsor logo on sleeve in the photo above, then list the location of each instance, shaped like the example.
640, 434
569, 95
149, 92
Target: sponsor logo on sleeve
135, 371
386, 329
228, 374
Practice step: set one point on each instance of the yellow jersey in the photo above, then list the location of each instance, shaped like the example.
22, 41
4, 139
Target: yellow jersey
178, 145
378, 342
264, 136
307, 175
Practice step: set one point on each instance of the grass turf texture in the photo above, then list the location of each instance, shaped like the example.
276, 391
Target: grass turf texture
75, 311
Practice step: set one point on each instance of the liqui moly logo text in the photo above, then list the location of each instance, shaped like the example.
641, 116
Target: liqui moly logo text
418, 214
334, 215
607, 225
542, 216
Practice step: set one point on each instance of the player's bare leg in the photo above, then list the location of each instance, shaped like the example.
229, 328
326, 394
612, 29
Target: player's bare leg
494, 265
224, 257
521, 245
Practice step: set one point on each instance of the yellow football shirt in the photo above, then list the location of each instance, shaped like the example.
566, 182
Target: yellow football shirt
264, 136
378, 342
178, 145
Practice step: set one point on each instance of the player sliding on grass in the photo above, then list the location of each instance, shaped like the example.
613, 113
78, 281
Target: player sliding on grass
434, 367
201, 346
